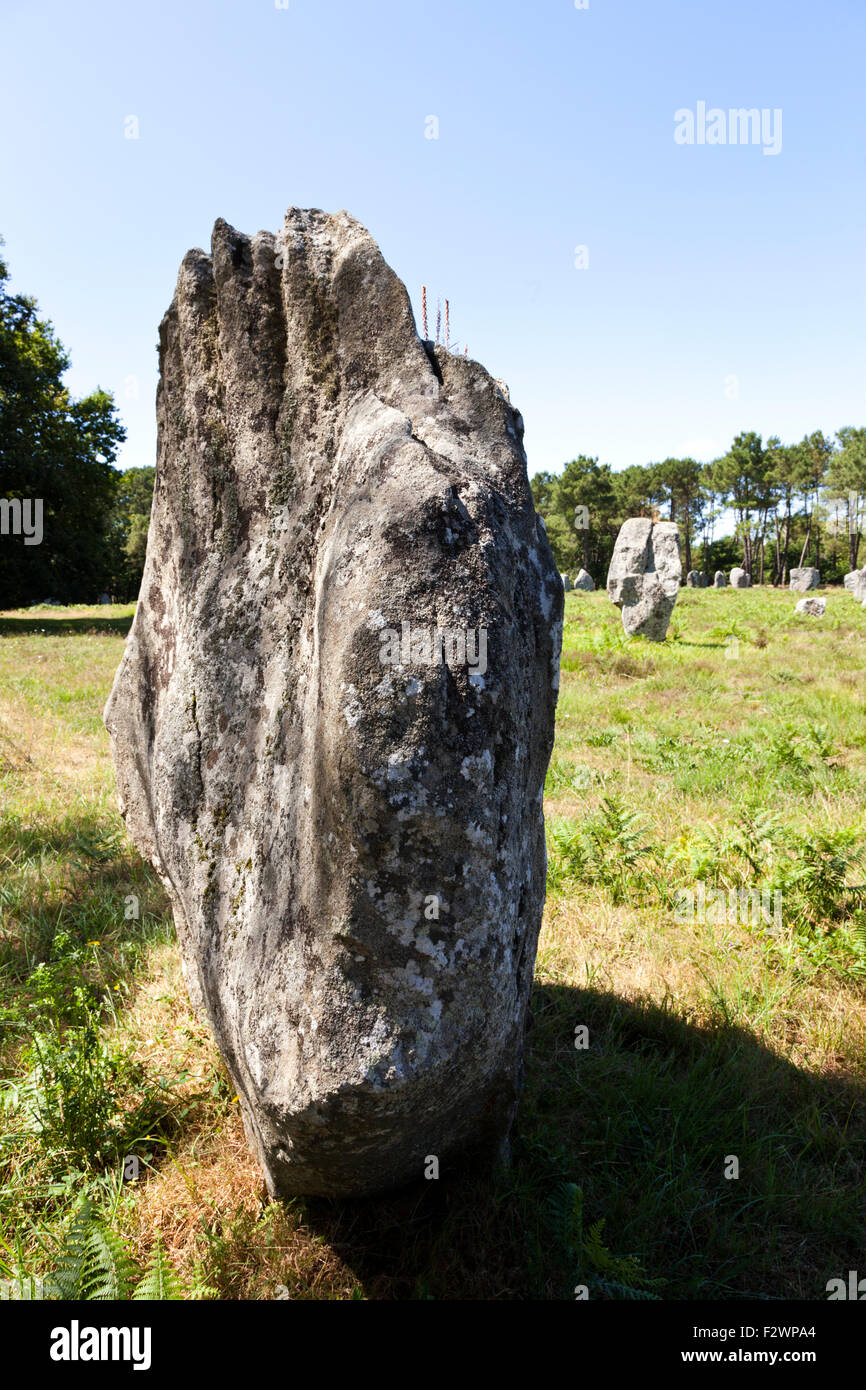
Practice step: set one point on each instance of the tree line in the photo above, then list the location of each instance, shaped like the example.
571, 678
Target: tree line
61, 451
792, 504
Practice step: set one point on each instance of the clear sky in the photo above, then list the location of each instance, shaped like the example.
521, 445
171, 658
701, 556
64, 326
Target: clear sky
724, 288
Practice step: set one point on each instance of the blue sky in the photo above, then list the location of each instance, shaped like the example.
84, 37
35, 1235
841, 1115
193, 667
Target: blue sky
725, 286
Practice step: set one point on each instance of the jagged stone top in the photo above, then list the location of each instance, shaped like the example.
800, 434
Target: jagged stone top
312, 314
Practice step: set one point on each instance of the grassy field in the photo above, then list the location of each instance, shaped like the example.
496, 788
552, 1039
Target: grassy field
694, 1115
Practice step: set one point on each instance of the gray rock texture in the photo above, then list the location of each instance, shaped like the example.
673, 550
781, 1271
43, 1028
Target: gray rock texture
812, 607
644, 576
739, 579
334, 712
721, 580
801, 580
855, 583
583, 580
566, 583
695, 579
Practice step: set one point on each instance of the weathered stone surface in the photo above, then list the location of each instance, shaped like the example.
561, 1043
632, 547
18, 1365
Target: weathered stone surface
566, 583
585, 581
695, 579
813, 607
345, 810
739, 579
802, 580
721, 580
644, 576
855, 583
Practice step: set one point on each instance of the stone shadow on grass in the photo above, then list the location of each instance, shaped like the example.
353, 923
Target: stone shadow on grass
646, 1120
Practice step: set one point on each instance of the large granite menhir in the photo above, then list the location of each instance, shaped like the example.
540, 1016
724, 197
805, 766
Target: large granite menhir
644, 576
334, 713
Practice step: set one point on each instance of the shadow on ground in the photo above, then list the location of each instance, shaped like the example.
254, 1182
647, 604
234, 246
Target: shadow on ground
646, 1122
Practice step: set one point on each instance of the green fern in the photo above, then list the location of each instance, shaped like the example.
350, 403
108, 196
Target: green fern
65, 1280
565, 1206
94, 1264
160, 1282
624, 1270
108, 1270
594, 1265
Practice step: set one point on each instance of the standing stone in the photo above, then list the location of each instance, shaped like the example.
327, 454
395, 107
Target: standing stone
696, 580
721, 580
802, 580
334, 713
813, 607
740, 580
584, 581
566, 583
644, 576
855, 583
104, 599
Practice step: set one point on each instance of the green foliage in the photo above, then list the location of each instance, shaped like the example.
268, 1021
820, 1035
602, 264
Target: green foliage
159, 1283
70, 1096
606, 848
563, 777
84, 1100
592, 1264
93, 1263
55, 449
128, 525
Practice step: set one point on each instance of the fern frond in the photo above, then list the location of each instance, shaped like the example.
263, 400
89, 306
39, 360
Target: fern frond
624, 1271
65, 1280
565, 1208
92, 1262
108, 1270
160, 1282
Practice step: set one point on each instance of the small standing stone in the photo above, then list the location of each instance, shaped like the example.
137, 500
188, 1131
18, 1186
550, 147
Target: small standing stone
566, 583
644, 576
855, 583
696, 580
802, 580
585, 581
739, 579
721, 580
